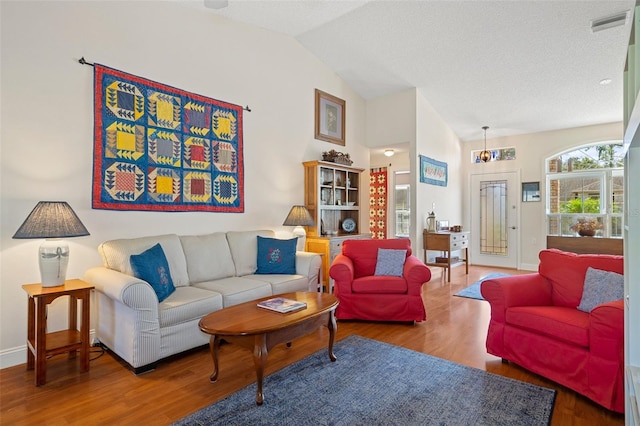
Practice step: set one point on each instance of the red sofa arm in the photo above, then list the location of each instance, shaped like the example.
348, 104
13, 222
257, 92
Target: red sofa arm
342, 272
416, 273
606, 330
517, 290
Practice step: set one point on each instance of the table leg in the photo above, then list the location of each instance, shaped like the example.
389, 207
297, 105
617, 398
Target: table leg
41, 343
260, 353
31, 333
73, 321
84, 331
466, 260
332, 326
214, 346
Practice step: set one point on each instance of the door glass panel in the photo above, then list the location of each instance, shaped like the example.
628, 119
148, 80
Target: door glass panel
493, 217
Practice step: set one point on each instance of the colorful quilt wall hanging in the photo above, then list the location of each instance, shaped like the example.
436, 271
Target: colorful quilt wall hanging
378, 203
160, 148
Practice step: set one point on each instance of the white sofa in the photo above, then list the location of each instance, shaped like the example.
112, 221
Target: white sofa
210, 272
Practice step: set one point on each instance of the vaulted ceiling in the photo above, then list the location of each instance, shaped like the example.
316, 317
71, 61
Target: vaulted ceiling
517, 66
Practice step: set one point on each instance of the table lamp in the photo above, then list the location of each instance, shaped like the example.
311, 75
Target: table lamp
52, 220
299, 216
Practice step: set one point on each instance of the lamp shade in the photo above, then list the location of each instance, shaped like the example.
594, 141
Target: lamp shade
52, 220
299, 216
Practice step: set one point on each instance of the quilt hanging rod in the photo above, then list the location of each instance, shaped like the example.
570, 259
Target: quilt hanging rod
84, 62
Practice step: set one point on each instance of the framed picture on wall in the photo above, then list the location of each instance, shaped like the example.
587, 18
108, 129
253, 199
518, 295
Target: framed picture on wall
330, 118
530, 191
432, 171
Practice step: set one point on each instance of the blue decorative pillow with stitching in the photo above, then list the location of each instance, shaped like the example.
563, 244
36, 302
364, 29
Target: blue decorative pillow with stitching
276, 256
600, 287
151, 265
390, 262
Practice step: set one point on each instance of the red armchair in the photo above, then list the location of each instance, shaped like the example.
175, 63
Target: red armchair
535, 323
363, 295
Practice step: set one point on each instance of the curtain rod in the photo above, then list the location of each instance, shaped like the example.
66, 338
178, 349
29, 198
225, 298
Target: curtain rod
84, 62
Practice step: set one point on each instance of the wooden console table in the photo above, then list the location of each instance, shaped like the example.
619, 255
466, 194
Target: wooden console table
585, 245
446, 242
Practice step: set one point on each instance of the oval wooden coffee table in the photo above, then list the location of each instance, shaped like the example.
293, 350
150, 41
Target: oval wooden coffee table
259, 329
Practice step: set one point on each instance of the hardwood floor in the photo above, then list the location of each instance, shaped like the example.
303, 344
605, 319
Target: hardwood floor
110, 394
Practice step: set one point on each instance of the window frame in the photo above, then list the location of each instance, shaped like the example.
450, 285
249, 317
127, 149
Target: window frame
613, 221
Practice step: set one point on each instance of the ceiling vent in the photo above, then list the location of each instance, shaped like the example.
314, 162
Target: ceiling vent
609, 22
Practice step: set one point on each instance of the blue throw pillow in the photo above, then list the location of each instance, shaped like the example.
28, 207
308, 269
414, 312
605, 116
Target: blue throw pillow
152, 266
276, 256
600, 287
390, 262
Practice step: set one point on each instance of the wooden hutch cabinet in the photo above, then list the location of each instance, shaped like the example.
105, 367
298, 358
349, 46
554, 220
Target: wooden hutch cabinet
332, 196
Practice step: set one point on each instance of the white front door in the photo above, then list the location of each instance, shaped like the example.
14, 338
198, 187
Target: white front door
494, 219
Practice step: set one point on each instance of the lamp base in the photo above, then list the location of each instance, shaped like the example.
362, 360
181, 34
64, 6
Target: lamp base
299, 232
53, 259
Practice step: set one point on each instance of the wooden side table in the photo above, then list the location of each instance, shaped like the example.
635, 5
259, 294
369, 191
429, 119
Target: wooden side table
446, 242
41, 344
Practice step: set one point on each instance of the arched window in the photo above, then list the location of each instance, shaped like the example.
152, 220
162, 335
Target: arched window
585, 189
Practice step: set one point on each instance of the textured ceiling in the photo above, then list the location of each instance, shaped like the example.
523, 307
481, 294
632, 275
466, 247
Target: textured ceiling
515, 66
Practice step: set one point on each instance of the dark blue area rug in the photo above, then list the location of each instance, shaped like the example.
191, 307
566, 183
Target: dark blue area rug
473, 291
375, 383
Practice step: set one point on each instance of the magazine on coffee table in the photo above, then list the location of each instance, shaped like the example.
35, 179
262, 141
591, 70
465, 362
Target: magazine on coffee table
282, 305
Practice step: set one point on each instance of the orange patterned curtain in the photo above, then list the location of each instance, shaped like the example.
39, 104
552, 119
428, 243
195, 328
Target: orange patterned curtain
378, 203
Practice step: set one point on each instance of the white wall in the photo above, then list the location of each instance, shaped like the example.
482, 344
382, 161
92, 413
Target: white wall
531, 151
47, 123
407, 117
435, 139
391, 122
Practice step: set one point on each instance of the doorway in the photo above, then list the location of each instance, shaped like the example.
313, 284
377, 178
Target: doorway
402, 203
494, 219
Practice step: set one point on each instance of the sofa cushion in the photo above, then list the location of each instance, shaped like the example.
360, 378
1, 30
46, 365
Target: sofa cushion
283, 283
116, 253
151, 265
208, 257
561, 323
187, 304
276, 256
244, 249
390, 262
380, 285
236, 290
600, 287
566, 272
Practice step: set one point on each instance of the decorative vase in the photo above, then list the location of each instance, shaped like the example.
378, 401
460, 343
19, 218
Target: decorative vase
587, 232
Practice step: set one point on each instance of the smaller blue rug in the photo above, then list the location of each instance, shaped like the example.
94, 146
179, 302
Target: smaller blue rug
473, 291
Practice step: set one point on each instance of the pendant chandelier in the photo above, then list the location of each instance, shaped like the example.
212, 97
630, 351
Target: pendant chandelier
485, 155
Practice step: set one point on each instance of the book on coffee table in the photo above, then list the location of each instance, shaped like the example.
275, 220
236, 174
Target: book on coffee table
282, 305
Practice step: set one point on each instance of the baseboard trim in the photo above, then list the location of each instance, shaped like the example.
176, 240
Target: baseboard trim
18, 355
13, 356
529, 266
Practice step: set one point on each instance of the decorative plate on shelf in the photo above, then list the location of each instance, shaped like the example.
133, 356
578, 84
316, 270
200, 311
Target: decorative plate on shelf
349, 225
